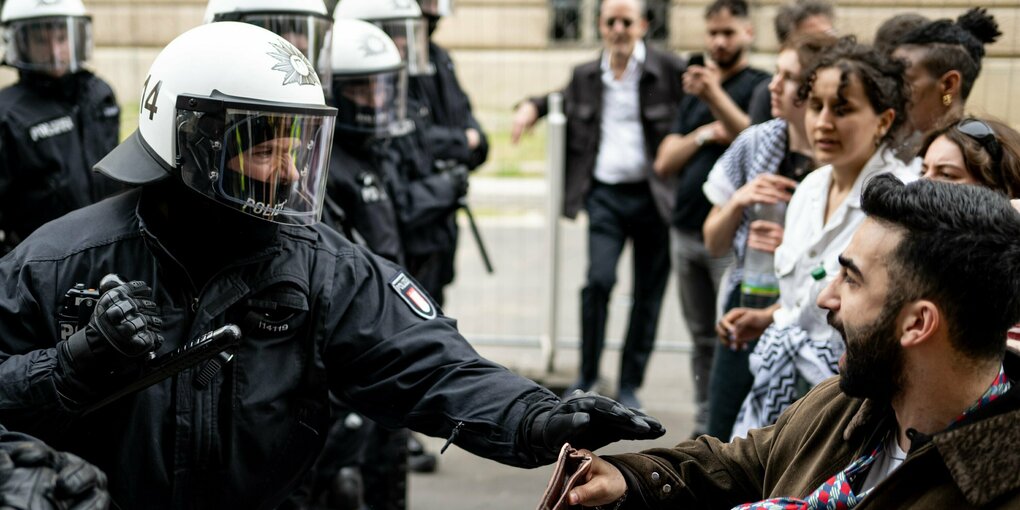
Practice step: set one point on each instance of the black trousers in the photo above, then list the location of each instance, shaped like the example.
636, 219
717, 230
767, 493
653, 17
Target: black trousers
617, 213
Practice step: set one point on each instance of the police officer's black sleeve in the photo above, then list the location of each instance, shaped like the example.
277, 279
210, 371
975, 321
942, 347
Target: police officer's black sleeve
450, 142
29, 371
448, 139
423, 202
7, 165
403, 369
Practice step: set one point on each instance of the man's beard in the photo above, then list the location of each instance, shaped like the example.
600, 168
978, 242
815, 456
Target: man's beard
873, 367
728, 63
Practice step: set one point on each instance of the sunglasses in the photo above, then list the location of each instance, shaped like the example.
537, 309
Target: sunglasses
611, 22
983, 134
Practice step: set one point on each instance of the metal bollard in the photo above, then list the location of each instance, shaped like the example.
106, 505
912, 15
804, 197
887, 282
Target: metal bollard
556, 159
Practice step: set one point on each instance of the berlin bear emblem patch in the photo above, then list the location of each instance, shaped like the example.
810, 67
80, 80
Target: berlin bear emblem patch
415, 298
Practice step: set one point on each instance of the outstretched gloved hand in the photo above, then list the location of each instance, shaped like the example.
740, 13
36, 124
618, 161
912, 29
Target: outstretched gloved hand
34, 476
585, 420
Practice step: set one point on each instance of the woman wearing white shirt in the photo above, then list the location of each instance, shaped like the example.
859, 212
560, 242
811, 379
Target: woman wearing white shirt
855, 103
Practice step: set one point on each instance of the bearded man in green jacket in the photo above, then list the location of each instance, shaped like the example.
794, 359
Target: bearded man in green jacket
925, 412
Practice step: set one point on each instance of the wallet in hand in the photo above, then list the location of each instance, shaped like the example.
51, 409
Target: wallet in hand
571, 468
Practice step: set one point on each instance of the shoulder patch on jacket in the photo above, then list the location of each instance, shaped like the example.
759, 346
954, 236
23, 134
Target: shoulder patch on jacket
415, 298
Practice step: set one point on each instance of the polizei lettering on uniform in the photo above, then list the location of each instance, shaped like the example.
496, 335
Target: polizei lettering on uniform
51, 128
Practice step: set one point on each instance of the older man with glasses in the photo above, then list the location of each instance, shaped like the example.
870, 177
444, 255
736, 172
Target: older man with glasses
619, 107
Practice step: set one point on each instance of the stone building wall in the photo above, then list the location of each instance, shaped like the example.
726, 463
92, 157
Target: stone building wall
503, 49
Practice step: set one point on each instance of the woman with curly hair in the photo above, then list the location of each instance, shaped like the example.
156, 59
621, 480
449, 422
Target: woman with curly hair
856, 100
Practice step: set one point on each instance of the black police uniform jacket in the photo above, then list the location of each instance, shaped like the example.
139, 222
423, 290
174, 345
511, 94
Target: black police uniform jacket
51, 133
360, 182
317, 313
448, 110
435, 232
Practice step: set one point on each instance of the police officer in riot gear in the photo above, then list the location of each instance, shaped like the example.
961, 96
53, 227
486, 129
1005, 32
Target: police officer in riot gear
454, 137
56, 122
231, 157
369, 89
428, 244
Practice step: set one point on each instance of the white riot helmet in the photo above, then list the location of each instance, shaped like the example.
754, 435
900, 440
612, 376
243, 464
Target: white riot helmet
46, 36
436, 8
239, 112
305, 23
369, 79
401, 20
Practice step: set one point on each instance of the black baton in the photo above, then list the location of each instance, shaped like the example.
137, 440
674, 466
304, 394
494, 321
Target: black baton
190, 354
476, 234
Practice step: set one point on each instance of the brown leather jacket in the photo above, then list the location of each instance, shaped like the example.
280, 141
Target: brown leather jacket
973, 465
660, 90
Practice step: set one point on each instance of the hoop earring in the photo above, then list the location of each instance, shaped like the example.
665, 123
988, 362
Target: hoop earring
947, 100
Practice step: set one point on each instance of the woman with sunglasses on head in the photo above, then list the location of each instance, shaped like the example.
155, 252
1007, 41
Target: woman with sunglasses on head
856, 100
762, 166
974, 151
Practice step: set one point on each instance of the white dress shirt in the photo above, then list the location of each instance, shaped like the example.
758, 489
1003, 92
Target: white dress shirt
621, 156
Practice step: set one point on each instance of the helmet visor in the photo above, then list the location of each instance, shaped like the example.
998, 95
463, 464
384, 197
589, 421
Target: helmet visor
271, 164
374, 104
412, 39
308, 33
54, 46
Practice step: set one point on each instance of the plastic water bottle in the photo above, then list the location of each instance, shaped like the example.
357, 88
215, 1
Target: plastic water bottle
760, 288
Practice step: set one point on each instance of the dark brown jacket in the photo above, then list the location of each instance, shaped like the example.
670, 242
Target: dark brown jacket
660, 90
973, 465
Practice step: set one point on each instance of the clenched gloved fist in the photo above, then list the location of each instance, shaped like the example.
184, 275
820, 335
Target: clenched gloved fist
123, 330
34, 476
585, 420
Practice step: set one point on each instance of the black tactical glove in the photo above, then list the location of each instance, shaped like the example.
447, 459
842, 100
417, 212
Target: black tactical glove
34, 476
122, 332
585, 420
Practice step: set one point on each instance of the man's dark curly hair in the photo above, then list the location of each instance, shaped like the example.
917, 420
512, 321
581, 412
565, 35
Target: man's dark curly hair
960, 249
958, 45
880, 76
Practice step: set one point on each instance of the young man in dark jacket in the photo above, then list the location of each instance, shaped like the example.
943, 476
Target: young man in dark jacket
925, 411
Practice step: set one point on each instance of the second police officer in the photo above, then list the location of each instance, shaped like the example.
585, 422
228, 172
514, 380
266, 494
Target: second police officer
230, 156
430, 241
56, 121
